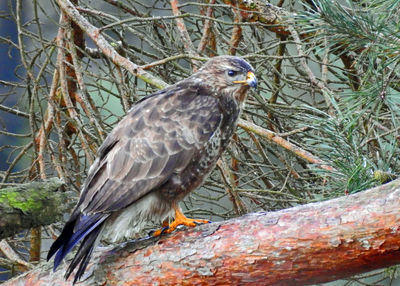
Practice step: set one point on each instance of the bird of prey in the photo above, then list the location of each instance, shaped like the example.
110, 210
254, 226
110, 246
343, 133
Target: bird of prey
159, 152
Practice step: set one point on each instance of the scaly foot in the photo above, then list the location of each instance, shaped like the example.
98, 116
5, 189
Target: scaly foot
180, 219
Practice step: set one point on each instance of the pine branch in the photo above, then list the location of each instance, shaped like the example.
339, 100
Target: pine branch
307, 244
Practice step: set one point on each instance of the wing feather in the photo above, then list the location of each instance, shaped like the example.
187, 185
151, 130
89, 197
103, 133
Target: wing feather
158, 138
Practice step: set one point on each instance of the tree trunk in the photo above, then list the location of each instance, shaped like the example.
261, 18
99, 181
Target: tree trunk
30, 205
307, 244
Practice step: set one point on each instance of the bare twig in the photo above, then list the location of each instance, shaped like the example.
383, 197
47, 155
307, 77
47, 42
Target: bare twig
169, 59
229, 180
272, 136
236, 33
313, 79
9, 252
187, 42
207, 29
106, 48
83, 99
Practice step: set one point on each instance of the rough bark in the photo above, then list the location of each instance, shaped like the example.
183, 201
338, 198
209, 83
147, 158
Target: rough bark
307, 244
30, 205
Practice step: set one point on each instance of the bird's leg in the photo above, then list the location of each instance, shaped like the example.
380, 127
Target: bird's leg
180, 219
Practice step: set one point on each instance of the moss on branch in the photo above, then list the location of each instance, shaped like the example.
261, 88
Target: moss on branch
30, 205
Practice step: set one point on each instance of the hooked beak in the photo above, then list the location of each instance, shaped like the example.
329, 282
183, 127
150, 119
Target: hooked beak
251, 80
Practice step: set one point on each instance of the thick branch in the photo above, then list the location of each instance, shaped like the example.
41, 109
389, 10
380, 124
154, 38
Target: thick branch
263, 12
31, 205
307, 244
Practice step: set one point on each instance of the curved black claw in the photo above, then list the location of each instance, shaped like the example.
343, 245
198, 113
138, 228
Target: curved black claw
151, 233
164, 229
200, 223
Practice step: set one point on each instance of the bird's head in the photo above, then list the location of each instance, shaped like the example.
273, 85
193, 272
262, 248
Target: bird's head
229, 74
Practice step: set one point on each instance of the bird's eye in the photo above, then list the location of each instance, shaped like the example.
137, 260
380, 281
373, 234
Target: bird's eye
232, 72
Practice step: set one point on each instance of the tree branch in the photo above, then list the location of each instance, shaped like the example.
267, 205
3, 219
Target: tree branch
30, 205
205, 38
273, 137
263, 12
185, 37
107, 49
307, 244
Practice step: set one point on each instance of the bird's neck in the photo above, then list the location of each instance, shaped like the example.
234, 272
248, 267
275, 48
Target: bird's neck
241, 94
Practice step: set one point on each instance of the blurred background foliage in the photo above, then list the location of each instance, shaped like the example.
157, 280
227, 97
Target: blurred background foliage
329, 86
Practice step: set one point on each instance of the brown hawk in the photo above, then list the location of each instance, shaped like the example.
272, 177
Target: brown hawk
159, 152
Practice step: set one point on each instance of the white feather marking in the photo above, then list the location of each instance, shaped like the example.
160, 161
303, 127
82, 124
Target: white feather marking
131, 221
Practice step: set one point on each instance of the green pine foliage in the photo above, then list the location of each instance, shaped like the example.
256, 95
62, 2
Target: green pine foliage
359, 137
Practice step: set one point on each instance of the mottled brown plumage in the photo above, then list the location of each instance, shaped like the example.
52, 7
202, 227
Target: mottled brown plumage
159, 152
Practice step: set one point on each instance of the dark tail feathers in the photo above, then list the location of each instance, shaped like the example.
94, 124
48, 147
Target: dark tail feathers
77, 228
